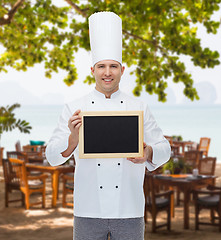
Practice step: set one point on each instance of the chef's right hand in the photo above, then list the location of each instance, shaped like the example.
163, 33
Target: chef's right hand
74, 124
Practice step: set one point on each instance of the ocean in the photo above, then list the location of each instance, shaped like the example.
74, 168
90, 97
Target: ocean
191, 122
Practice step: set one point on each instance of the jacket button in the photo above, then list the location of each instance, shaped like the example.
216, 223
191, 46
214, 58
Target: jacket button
121, 101
116, 186
92, 102
98, 164
118, 164
101, 187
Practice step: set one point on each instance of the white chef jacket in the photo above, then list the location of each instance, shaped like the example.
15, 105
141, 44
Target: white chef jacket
108, 187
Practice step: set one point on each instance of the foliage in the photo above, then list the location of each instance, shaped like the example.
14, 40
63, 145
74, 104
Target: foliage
177, 165
8, 122
177, 138
156, 33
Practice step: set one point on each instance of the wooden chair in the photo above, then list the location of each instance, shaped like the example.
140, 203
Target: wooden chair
18, 146
211, 200
30, 148
68, 187
28, 184
207, 166
1, 155
204, 145
11, 183
156, 202
169, 139
18, 155
175, 149
192, 158
22, 156
34, 150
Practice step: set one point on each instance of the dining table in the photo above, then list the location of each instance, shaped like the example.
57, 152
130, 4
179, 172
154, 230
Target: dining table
55, 172
186, 183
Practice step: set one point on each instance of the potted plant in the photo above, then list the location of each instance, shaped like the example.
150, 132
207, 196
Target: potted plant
176, 166
8, 122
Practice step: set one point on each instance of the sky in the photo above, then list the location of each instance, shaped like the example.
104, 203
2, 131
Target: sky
32, 87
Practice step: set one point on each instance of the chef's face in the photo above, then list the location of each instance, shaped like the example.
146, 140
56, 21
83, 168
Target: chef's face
107, 74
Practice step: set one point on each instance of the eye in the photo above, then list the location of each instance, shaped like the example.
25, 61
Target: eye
114, 66
101, 66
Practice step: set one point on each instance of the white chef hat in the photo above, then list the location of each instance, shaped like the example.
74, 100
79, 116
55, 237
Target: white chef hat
105, 29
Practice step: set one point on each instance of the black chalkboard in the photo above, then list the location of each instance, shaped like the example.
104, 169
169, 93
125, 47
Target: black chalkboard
111, 134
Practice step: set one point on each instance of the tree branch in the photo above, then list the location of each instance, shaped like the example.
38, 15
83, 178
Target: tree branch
9, 16
79, 10
83, 13
154, 43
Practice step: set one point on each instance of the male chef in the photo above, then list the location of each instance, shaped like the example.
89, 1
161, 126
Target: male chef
108, 192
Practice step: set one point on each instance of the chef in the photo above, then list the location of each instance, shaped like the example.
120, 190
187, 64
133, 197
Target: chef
108, 192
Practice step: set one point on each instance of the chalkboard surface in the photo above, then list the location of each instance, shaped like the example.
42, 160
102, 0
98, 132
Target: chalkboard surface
111, 134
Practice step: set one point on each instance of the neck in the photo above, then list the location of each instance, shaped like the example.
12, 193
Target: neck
107, 94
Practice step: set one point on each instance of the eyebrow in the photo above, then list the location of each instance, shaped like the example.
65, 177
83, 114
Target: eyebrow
102, 64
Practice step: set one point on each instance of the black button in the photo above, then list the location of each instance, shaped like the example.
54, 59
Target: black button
98, 164
121, 101
92, 102
101, 187
118, 164
116, 186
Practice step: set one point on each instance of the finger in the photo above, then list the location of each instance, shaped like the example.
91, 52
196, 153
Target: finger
74, 123
78, 125
77, 112
73, 119
134, 161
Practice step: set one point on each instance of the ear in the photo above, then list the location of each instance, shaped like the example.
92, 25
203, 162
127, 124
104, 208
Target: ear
92, 70
122, 70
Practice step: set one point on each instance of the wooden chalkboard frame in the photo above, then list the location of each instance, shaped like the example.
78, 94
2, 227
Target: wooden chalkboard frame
139, 153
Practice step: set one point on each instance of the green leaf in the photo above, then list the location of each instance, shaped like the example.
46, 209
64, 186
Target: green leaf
155, 35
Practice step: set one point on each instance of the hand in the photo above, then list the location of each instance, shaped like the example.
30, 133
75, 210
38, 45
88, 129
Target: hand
74, 124
148, 154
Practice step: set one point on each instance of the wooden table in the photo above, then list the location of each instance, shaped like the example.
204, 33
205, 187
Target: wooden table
185, 183
55, 171
36, 159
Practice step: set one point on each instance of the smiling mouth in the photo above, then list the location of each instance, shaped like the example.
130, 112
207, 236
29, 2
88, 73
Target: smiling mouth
107, 79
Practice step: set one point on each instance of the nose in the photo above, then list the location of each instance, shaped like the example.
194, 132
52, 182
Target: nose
107, 71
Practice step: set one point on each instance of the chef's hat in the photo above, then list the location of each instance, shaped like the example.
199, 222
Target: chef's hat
105, 29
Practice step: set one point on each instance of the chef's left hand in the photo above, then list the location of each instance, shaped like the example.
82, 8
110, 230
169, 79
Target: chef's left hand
148, 155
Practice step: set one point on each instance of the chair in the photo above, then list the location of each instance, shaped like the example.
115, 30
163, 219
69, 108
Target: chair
175, 149
22, 156
18, 146
211, 200
204, 145
207, 166
156, 202
28, 184
1, 155
68, 187
169, 139
192, 146
18, 155
11, 183
192, 158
